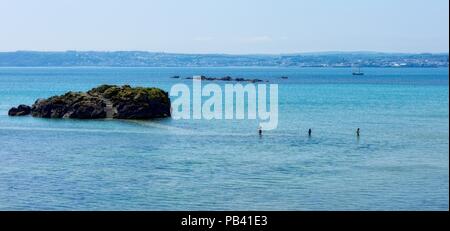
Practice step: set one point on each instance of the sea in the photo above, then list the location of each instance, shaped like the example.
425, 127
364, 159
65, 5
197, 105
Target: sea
400, 161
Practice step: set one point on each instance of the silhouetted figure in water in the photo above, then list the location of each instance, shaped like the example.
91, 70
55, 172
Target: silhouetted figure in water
309, 132
357, 132
260, 130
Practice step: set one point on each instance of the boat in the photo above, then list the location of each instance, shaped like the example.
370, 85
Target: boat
358, 72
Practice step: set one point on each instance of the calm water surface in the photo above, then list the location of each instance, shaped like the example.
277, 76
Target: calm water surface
400, 162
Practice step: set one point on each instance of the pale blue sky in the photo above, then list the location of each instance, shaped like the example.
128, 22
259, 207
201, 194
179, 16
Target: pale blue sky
225, 26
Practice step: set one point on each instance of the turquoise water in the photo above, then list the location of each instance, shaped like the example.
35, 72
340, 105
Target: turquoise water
400, 162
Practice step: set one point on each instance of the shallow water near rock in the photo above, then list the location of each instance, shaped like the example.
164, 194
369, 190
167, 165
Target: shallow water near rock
400, 161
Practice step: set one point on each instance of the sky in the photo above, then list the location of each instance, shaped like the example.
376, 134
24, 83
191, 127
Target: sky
225, 26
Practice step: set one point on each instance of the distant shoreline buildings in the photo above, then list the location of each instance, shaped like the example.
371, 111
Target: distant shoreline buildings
155, 59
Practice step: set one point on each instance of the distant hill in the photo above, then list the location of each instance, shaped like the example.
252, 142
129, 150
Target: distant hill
154, 59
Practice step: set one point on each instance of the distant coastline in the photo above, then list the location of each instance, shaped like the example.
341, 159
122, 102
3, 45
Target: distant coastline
158, 59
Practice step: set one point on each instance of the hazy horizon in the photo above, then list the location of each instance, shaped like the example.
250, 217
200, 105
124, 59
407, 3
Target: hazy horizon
225, 27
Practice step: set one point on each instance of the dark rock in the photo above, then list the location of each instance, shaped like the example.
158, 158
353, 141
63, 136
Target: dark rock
70, 105
255, 80
125, 103
13, 111
175, 77
89, 108
21, 110
226, 78
207, 78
